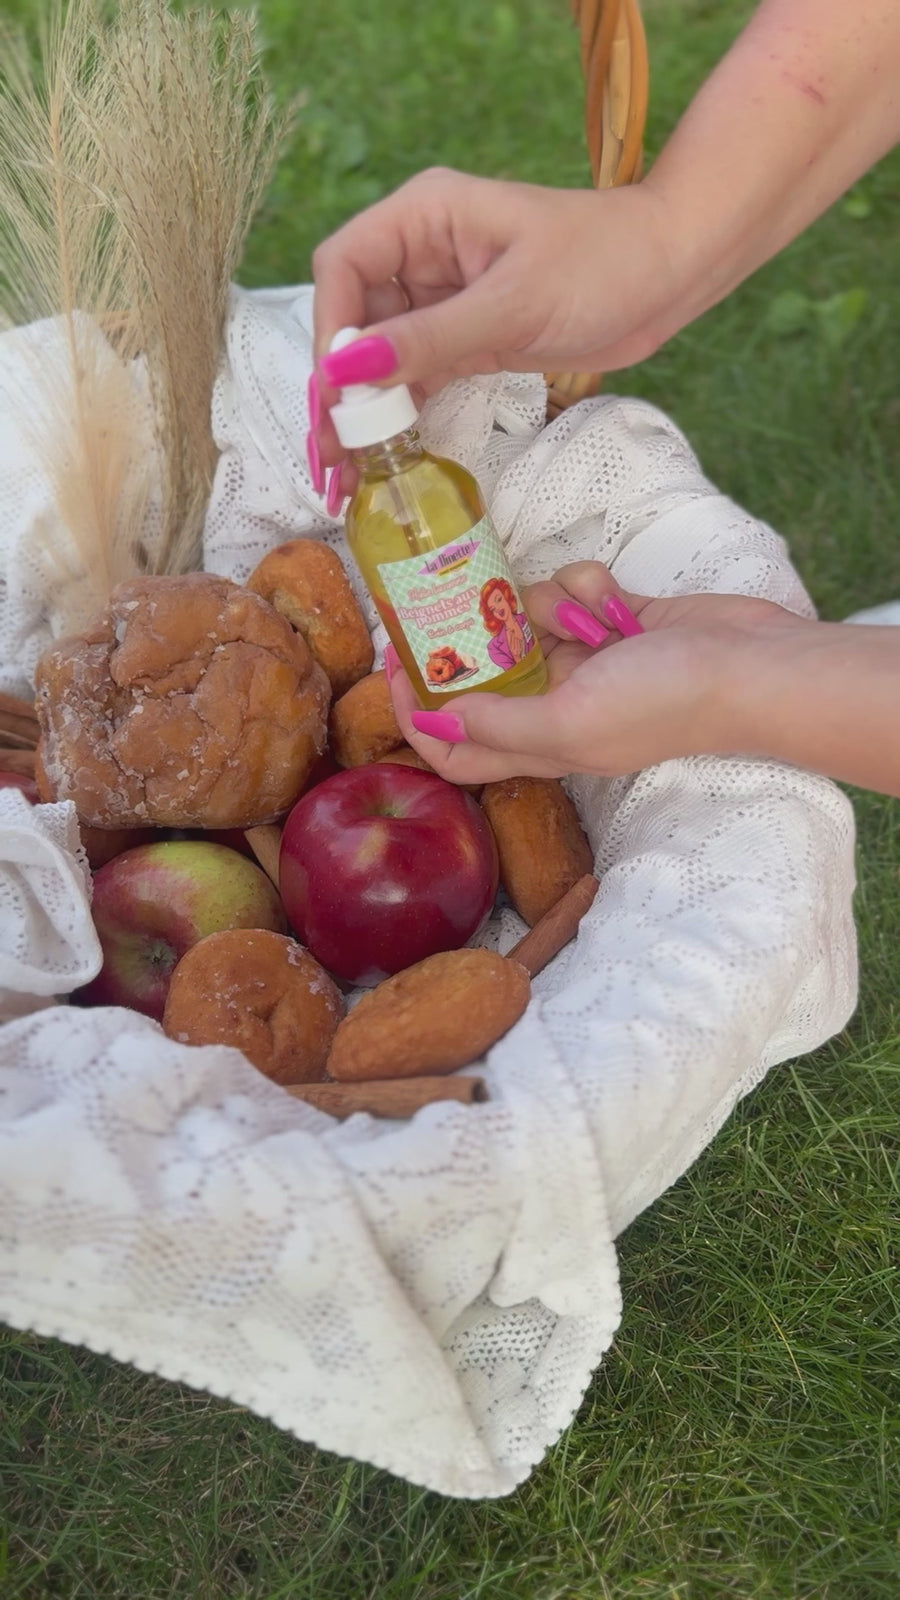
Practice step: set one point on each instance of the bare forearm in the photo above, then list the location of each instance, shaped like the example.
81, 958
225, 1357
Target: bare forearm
825, 696
804, 103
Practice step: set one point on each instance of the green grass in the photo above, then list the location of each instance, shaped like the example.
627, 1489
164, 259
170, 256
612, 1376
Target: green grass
741, 1439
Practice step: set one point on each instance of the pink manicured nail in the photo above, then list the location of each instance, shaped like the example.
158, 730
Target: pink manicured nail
621, 616
391, 661
364, 361
578, 620
439, 725
315, 464
334, 497
313, 401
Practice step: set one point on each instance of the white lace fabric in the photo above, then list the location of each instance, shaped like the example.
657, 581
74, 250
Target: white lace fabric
429, 1296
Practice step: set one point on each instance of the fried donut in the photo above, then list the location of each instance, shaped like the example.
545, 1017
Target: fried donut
306, 582
431, 1018
363, 727
262, 993
540, 841
189, 703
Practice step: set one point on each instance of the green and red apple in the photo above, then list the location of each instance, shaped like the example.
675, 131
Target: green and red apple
153, 903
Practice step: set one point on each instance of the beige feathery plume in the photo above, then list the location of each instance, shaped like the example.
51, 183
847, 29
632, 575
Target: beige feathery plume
132, 155
189, 136
61, 257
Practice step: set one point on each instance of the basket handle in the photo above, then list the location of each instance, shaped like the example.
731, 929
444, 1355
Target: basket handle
616, 76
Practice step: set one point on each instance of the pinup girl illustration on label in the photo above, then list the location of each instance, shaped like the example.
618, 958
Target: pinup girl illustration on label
512, 637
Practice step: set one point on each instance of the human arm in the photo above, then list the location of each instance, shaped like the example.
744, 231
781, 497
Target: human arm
710, 675
806, 100
826, 696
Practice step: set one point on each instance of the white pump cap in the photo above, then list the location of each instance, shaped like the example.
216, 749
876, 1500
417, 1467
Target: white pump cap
367, 415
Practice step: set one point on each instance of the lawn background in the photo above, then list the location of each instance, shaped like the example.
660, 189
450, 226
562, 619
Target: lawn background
741, 1439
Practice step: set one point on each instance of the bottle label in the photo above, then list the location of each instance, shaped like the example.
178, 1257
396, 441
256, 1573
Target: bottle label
459, 610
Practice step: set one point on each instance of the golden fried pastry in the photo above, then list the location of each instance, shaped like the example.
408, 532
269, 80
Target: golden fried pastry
542, 847
305, 581
363, 727
406, 756
189, 703
431, 1018
262, 993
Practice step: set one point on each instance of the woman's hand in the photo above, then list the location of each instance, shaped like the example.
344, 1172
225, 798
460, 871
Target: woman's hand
454, 275
464, 274
614, 705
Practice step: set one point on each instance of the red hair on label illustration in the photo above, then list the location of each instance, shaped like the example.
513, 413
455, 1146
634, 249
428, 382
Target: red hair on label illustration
489, 615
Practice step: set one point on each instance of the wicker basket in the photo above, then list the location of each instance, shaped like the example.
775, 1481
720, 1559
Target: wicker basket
614, 62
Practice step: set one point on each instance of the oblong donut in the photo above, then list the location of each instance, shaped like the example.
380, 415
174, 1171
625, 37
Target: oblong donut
541, 844
261, 992
430, 1018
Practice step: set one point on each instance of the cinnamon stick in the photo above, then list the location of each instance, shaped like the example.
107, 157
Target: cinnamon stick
387, 1097
265, 842
556, 927
18, 723
21, 761
16, 706
12, 738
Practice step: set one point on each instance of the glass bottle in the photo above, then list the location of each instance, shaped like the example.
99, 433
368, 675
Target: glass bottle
420, 533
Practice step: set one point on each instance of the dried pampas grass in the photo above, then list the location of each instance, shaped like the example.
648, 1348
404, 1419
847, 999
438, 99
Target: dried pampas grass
188, 137
133, 151
61, 256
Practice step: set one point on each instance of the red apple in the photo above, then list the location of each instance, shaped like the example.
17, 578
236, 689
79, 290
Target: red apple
383, 865
20, 780
153, 903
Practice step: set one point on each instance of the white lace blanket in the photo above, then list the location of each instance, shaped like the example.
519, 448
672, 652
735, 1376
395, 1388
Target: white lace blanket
432, 1296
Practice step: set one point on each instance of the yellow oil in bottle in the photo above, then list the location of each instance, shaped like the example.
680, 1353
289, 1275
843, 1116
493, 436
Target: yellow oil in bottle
420, 534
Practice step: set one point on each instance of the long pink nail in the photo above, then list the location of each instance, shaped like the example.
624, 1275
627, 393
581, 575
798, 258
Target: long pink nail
391, 661
315, 464
621, 616
313, 401
579, 621
334, 497
440, 725
364, 361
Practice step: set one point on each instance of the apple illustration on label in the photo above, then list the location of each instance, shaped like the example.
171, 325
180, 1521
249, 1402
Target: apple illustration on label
383, 865
153, 903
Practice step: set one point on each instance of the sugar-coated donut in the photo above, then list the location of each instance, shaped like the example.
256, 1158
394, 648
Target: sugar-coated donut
541, 844
262, 993
431, 1018
306, 583
189, 703
363, 726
